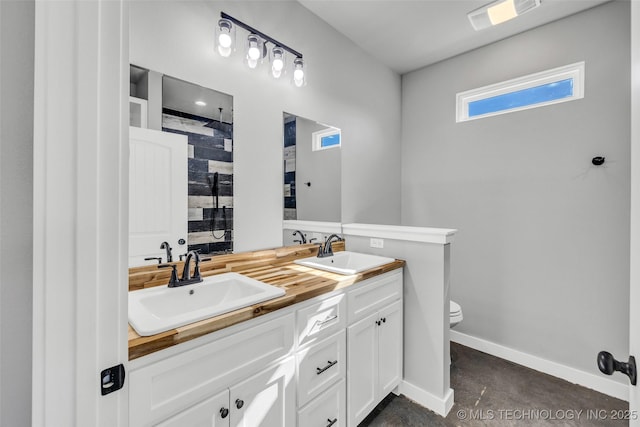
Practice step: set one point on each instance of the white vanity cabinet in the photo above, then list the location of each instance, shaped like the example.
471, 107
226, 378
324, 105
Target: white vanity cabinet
374, 344
247, 360
264, 399
325, 362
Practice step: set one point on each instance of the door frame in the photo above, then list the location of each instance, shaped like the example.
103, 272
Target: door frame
80, 202
634, 274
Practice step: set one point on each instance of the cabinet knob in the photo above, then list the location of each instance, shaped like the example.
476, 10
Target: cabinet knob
239, 403
384, 320
224, 412
378, 322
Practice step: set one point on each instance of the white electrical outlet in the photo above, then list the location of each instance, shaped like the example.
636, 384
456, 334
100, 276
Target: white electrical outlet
376, 243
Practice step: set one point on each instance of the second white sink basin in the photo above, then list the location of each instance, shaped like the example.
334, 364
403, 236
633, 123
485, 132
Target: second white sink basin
345, 262
162, 308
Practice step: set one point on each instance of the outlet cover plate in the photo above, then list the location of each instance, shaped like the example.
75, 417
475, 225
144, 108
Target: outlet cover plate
376, 243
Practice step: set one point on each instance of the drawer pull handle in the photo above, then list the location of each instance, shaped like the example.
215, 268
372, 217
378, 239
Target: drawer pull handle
330, 364
331, 422
239, 403
224, 412
320, 323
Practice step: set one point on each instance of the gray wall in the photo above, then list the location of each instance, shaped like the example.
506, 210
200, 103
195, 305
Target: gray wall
177, 39
541, 261
321, 200
17, 26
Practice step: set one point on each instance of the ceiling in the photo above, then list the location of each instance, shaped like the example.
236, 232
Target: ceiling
410, 34
179, 95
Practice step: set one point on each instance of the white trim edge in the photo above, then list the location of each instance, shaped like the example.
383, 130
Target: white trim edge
401, 232
317, 226
595, 382
440, 406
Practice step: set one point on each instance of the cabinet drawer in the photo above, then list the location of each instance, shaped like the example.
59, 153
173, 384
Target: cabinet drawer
327, 410
372, 296
321, 319
170, 385
320, 365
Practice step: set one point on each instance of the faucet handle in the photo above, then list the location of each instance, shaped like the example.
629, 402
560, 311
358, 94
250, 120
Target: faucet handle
173, 281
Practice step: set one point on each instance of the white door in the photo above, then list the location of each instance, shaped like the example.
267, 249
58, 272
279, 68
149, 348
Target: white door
390, 348
213, 412
266, 399
362, 358
634, 286
157, 194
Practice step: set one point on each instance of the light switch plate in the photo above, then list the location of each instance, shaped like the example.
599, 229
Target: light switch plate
376, 243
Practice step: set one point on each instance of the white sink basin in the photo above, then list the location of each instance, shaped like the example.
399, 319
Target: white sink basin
162, 308
345, 262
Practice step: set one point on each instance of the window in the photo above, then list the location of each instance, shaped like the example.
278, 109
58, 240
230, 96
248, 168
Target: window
326, 138
535, 90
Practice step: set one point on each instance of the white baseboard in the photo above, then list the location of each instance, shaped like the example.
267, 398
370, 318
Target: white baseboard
598, 383
428, 400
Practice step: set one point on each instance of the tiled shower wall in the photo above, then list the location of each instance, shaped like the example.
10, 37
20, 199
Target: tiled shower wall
210, 151
289, 168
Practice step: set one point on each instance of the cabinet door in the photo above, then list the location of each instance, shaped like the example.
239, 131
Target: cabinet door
362, 377
390, 348
213, 412
266, 399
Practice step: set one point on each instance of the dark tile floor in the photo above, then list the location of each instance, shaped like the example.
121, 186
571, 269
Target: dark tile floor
494, 392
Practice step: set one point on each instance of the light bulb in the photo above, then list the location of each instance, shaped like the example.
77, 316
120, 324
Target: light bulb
298, 72
224, 40
278, 64
225, 31
254, 53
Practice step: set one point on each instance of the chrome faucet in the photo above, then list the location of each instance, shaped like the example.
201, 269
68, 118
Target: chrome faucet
302, 237
327, 250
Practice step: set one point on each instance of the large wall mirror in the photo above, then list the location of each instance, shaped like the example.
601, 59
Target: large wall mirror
181, 169
312, 170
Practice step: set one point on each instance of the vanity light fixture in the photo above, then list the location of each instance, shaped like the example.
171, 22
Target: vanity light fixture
225, 37
257, 49
499, 11
277, 61
298, 72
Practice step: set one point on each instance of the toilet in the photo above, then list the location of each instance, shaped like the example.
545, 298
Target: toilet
455, 313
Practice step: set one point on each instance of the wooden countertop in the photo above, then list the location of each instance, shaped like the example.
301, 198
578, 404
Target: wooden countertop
273, 266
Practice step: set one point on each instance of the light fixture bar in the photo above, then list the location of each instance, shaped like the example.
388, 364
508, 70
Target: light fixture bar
260, 33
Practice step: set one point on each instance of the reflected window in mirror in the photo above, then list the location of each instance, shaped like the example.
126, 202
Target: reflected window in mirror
325, 139
311, 170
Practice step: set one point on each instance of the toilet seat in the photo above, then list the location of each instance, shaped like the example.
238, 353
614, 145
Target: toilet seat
454, 308
455, 313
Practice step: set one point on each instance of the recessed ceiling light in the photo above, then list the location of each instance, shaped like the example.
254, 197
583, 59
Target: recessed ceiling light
201, 103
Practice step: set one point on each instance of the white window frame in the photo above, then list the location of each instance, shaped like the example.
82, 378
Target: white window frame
572, 71
316, 139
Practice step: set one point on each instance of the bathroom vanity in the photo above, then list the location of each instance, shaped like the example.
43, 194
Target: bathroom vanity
324, 354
